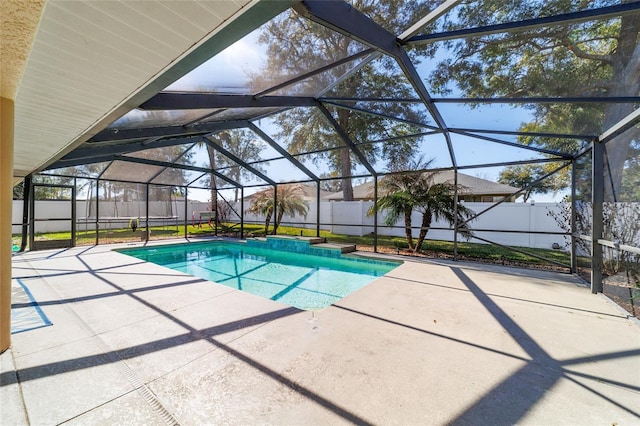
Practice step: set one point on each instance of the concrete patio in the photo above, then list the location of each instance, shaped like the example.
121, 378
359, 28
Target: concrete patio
429, 343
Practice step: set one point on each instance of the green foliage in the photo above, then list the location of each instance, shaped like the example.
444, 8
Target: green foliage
402, 193
522, 176
290, 201
296, 45
18, 191
595, 58
630, 189
243, 144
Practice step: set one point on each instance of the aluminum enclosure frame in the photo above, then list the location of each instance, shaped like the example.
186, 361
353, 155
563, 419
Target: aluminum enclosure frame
114, 144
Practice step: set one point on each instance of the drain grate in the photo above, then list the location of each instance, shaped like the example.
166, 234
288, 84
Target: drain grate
142, 389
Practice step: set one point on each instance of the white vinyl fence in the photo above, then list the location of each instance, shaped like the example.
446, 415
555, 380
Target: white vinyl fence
342, 217
350, 218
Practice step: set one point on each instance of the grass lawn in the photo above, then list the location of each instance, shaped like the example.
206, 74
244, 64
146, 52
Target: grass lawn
468, 250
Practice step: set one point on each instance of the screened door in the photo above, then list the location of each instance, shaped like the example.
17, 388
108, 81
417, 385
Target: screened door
52, 216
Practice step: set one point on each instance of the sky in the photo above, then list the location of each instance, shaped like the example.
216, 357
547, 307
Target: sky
228, 73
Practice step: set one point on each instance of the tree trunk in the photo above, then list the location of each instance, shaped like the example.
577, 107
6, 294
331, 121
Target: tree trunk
278, 220
266, 224
407, 228
626, 80
426, 224
345, 158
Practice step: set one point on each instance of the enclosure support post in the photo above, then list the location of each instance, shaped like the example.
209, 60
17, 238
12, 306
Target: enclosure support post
186, 212
275, 209
242, 213
375, 213
597, 197
455, 214
147, 212
32, 215
25, 212
97, 211
215, 220
73, 212
573, 219
6, 197
317, 208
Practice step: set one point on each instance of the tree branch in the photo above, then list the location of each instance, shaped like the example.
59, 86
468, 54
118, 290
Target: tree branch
584, 55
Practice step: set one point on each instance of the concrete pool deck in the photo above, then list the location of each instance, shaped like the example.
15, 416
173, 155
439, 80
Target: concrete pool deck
431, 342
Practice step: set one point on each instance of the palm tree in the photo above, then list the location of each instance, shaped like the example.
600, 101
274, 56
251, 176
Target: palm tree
398, 200
290, 201
402, 193
437, 201
262, 204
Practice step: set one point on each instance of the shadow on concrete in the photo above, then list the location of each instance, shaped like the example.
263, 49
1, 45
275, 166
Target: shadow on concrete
511, 399
449, 287
192, 334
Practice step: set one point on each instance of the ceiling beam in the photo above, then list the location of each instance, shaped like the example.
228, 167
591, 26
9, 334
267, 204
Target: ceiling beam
320, 70
167, 131
383, 116
347, 140
273, 144
74, 162
620, 127
517, 133
430, 17
177, 166
240, 162
373, 54
125, 148
515, 145
185, 101
345, 19
544, 100
530, 24
525, 100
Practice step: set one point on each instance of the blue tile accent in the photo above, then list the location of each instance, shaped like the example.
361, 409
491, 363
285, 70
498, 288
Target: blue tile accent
294, 245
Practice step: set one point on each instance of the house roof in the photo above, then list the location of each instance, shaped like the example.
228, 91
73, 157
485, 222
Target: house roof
469, 185
309, 191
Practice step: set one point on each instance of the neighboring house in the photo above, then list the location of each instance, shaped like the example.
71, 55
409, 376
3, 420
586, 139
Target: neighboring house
309, 190
472, 189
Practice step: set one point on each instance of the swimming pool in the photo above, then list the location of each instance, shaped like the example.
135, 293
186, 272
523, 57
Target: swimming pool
296, 279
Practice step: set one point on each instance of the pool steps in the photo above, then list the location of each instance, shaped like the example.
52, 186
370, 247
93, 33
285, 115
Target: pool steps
307, 245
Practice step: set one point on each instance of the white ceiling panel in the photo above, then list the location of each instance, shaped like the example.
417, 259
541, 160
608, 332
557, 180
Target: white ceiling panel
92, 61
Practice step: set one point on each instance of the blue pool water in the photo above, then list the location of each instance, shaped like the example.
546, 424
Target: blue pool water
300, 280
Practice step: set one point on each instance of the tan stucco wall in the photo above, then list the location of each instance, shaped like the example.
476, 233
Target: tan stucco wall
20, 20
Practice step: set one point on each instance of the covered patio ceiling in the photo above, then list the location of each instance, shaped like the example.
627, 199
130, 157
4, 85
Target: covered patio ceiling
92, 62
247, 80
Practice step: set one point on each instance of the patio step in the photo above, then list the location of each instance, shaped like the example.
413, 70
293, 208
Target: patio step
344, 248
310, 240
302, 244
